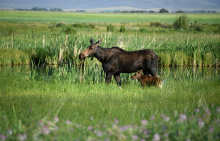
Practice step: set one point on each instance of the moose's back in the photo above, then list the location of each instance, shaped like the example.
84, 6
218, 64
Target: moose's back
131, 61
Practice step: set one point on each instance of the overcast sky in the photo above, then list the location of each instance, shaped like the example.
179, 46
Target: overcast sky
109, 4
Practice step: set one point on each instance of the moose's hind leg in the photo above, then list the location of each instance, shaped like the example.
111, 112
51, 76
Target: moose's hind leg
108, 78
152, 72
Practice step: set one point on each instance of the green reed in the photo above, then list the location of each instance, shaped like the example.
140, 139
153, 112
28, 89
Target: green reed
52, 44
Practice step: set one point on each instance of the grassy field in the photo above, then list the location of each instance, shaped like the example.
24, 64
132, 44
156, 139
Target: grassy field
51, 106
71, 102
68, 17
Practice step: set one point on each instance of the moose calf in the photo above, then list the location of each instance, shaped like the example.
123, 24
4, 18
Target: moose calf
147, 80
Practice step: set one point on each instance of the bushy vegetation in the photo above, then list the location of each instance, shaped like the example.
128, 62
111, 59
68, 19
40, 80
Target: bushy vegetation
182, 23
122, 28
13, 57
110, 28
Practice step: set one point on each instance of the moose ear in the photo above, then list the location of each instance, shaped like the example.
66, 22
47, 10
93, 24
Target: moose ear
91, 41
99, 42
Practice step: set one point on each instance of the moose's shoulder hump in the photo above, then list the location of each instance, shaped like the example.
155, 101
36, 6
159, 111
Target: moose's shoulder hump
117, 48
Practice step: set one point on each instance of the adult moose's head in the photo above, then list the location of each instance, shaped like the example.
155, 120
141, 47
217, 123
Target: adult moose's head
90, 51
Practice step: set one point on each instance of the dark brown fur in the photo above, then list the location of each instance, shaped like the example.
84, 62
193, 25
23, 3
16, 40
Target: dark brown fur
147, 80
116, 60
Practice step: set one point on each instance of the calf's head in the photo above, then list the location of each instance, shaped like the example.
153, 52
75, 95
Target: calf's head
90, 51
137, 75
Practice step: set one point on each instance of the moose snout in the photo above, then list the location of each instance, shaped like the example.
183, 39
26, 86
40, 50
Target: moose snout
132, 78
81, 56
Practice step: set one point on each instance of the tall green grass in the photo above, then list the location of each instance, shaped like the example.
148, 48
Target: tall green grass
63, 44
52, 103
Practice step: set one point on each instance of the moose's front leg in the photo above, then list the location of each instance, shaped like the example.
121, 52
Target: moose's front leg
108, 78
118, 79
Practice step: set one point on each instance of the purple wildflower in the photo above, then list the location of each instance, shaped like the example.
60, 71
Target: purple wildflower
56, 119
103, 126
166, 135
99, 133
2, 137
45, 130
197, 110
156, 137
147, 136
68, 122
124, 128
22, 137
56, 128
49, 123
201, 124
182, 117
144, 122
146, 132
41, 123
166, 118
152, 117
90, 128
164, 127
135, 137
211, 129
208, 112
77, 125
116, 121
218, 109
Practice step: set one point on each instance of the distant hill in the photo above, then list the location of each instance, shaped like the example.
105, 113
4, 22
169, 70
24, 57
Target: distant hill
107, 5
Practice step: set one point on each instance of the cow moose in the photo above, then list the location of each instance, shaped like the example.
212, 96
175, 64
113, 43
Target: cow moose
116, 60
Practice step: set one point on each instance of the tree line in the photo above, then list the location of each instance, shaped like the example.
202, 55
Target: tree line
163, 10
41, 9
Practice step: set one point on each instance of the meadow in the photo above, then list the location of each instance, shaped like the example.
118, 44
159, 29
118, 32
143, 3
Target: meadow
71, 17
62, 104
47, 93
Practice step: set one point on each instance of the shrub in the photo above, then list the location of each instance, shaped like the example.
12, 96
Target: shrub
110, 28
69, 30
182, 23
157, 24
122, 28
143, 30
197, 27
60, 24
